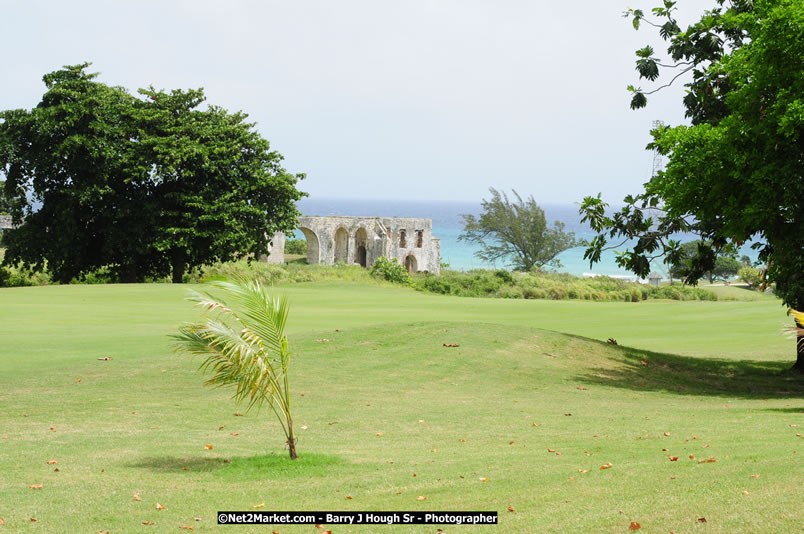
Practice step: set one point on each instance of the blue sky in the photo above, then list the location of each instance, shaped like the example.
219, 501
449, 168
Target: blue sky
431, 99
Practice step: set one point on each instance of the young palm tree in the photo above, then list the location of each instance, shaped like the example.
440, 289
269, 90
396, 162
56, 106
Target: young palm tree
242, 340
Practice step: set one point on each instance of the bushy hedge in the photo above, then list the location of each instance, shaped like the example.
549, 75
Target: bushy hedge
502, 284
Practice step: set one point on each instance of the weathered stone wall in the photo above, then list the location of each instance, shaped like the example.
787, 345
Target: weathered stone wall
361, 240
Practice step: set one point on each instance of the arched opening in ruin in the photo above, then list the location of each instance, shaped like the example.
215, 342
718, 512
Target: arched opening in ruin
361, 244
410, 264
341, 245
313, 246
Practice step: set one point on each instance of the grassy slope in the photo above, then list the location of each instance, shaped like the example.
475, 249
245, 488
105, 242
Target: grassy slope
384, 372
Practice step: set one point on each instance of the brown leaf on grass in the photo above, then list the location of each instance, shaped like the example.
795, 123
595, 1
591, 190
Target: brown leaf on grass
421, 498
702, 520
52, 462
160, 506
2, 521
435, 450
349, 497
414, 474
510, 442
105, 358
149, 523
378, 434
511, 509
673, 458
77, 379
551, 450
35, 486
34, 520
483, 479
746, 492
56, 470
709, 460
607, 465
583, 470
187, 528
4, 437
794, 426
322, 340
262, 504
137, 497
208, 447
644, 363
706, 446
52, 429
103, 532
536, 424
233, 434
667, 433
634, 526
221, 427
692, 457
450, 345
665, 450
238, 415
581, 388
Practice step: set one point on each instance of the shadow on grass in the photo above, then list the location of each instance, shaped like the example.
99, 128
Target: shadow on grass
244, 467
642, 370
786, 410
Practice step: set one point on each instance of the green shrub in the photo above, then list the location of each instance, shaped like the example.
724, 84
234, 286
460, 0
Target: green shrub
18, 276
751, 276
296, 246
390, 270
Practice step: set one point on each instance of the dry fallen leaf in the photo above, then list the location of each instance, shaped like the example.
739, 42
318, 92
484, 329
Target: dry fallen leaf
692, 457
2, 521
644, 363
634, 526
709, 460
450, 345
233, 434
52, 462
667, 433
105, 358
483, 479
208, 447
435, 450
551, 450
607, 465
35, 486
238, 415
34, 520
378, 434
137, 497
673, 458
746, 492
580, 387
511, 509
52, 429
583, 470
187, 528
665, 450
323, 340
349, 497
421, 498
146, 522
702, 520
510, 442
160, 507
262, 504
755, 476
221, 427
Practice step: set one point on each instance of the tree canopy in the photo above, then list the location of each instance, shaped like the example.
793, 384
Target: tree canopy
726, 263
147, 186
516, 232
735, 173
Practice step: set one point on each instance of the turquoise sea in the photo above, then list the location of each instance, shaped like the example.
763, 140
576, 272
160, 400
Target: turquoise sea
448, 225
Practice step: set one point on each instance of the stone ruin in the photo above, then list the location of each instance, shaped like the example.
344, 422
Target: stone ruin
361, 240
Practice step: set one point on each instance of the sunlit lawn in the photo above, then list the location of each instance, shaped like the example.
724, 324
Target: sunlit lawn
381, 400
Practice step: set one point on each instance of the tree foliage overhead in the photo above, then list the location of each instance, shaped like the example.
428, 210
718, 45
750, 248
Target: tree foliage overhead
735, 174
726, 264
516, 232
147, 186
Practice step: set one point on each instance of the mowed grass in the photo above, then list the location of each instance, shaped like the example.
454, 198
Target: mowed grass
378, 399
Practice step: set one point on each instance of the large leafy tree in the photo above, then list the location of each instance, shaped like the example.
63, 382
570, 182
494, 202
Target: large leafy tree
726, 264
516, 232
149, 186
735, 173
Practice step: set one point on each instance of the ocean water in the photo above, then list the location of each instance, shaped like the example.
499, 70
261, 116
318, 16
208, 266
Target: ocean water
448, 225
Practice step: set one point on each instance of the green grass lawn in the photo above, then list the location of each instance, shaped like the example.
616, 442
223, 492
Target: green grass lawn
378, 399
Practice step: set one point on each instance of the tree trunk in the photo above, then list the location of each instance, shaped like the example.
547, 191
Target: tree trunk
292, 444
178, 265
799, 366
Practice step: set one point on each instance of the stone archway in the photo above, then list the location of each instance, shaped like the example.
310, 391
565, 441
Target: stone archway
313, 246
361, 246
341, 245
411, 264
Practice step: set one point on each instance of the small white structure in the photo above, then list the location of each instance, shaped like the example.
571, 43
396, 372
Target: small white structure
655, 279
